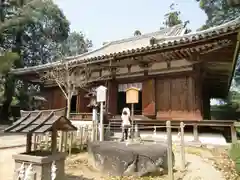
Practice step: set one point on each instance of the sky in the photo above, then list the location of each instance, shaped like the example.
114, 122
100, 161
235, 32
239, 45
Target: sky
108, 20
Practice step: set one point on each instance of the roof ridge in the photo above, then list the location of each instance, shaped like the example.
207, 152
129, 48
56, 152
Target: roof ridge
146, 34
235, 21
181, 37
125, 40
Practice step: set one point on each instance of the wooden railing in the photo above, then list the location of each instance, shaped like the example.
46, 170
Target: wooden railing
231, 124
84, 116
81, 116
142, 121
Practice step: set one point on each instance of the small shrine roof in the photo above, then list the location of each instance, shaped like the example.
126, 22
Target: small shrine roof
41, 122
164, 39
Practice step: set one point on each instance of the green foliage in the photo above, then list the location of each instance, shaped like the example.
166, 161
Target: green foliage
225, 112
75, 44
235, 155
32, 29
173, 17
137, 33
6, 61
218, 12
234, 151
234, 97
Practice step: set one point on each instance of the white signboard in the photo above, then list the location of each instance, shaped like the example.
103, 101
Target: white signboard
101, 93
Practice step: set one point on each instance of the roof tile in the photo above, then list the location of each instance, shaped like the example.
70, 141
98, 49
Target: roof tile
169, 37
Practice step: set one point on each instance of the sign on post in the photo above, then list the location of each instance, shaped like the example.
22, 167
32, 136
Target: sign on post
132, 98
101, 93
101, 97
132, 95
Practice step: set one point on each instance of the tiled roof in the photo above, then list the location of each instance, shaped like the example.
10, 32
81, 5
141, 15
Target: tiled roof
166, 38
41, 122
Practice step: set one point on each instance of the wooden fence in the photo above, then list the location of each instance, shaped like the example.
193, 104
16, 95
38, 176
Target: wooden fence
79, 139
70, 141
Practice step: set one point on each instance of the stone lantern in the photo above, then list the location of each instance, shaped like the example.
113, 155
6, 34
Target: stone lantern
92, 95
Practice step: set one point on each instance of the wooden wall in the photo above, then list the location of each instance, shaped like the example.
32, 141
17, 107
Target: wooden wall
112, 96
55, 98
179, 98
82, 102
176, 98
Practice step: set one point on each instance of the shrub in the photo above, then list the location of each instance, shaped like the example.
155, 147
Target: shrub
235, 155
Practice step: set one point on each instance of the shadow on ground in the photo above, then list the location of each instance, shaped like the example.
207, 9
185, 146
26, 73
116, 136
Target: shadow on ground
71, 177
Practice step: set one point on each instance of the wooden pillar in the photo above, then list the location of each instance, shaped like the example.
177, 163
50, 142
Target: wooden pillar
233, 134
148, 98
82, 102
112, 97
54, 140
34, 136
29, 143
195, 132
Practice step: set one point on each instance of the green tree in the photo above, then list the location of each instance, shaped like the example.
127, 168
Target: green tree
137, 33
75, 44
32, 29
173, 17
218, 12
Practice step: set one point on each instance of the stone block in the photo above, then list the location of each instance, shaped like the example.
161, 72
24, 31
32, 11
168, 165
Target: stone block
41, 163
115, 158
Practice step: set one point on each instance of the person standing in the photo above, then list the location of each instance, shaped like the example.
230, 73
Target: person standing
126, 122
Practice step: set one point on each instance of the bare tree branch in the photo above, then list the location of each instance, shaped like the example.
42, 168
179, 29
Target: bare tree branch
69, 79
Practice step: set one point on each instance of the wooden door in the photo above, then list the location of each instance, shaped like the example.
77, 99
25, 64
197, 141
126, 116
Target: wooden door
148, 98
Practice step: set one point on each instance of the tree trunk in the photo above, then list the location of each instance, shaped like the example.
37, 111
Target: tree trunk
68, 107
8, 94
64, 135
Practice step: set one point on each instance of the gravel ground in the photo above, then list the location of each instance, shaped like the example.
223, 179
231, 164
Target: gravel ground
199, 167
11, 140
7, 162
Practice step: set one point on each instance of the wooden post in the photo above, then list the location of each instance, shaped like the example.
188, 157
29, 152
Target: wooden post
183, 162
132, 116
29, 143
155, 134
94, 120
37, 141
169, 152
195, 133
61, 142
81, 138
34, 142
70, 143
233, 134
96, 131
93, 131
46, 137
54, 140
65, 141
101, 122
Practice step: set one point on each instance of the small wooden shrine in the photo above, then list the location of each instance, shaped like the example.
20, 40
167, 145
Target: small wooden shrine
35, 122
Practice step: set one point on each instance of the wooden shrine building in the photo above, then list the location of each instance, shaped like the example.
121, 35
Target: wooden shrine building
177, 73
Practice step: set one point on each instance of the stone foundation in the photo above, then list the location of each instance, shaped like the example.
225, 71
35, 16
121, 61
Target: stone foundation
41, 163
